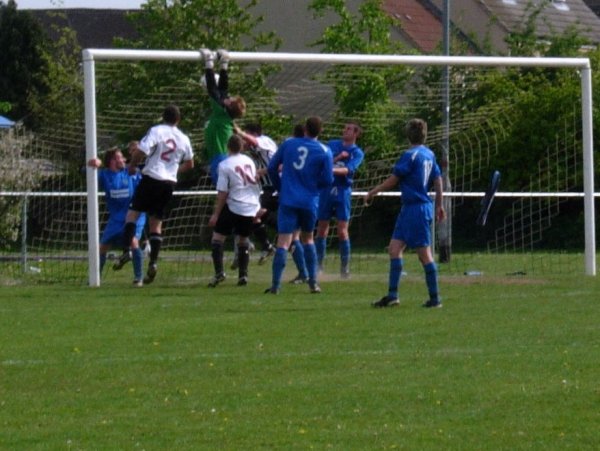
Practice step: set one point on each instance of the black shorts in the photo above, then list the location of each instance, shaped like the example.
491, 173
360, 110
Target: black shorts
268, 200
230, 222
152, 196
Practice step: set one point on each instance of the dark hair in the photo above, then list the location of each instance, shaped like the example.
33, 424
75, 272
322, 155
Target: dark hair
357, 128
254, 128
235, 144
171, 114
416, 131
314, 126
298, 131
109, 155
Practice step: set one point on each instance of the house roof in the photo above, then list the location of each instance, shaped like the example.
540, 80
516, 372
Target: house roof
95, 27
496, 18
555, 17
419, 25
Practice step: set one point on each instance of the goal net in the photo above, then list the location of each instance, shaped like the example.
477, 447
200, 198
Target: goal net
496, 123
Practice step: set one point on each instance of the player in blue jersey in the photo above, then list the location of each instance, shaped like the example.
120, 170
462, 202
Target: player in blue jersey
306, 168
416, 172
337, 200
118, 185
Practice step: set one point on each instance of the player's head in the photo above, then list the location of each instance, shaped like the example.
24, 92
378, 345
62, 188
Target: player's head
235, 144
113, 159
416, 131
253, 128
351, 132
313, 126
298, 131
171, 115
236, 106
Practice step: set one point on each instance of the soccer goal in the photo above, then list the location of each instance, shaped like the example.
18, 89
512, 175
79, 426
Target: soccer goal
541, 222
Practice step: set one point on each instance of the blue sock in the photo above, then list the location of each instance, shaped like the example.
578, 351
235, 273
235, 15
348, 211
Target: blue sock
310, 256
320, 244
298, 256
102, 262
345, 253
431, 279
138, 262
279, 260
394, 278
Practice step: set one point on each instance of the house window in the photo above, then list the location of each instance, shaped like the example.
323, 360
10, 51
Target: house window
561, 5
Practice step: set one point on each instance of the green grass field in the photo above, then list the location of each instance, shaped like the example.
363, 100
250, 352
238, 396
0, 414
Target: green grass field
508, 363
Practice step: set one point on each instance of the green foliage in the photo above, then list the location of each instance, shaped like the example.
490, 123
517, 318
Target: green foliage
23, 66
18, 173
190, 25
363, 90
39, 77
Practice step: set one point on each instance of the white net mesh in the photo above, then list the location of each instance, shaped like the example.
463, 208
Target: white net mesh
520, 236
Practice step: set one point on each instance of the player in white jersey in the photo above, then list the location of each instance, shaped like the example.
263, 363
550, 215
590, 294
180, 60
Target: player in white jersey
167, 151
261, 149
238, 202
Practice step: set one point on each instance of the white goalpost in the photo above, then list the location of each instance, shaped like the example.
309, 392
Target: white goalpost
582, 65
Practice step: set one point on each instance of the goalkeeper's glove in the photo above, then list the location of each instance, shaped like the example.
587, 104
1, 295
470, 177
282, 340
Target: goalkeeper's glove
209, 58
223, 57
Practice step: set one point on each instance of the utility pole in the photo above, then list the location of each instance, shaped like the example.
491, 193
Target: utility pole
445, 228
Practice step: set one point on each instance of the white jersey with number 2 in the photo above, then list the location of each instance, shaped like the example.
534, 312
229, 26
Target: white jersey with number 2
166, 147
237, 177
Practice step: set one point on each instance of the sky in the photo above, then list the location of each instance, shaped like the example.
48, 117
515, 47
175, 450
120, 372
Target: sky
100, 4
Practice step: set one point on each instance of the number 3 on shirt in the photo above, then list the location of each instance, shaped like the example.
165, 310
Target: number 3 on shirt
301, 161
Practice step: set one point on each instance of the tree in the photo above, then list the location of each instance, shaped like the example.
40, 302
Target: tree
191, 25
362, 91
23, 65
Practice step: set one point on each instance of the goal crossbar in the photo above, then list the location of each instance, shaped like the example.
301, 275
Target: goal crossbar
89, 56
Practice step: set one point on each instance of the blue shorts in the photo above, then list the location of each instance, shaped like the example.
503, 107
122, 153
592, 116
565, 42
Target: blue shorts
336, 204
113, 233
413, 225
290, 219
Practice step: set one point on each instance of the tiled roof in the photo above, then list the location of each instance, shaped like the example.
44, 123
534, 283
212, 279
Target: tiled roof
419, 24
555, 17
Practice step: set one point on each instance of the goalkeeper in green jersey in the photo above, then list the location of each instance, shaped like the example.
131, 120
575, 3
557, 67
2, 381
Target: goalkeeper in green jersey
224, 109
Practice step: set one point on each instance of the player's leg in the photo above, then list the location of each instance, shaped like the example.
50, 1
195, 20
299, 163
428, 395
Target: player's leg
242, 227
279, 261
103, 250
324, 214
138, 261
216, 244
287, 222
155, 226
306, 221
298, 256
321, 241
155, 206
344, 245
396, 252
138, 253
431, 276
128, 235
343, 218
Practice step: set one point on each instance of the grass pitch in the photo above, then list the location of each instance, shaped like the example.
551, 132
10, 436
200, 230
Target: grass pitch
507, 363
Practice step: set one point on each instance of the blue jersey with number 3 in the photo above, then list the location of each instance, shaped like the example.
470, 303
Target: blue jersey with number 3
416, 169
306, 167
